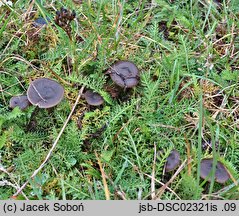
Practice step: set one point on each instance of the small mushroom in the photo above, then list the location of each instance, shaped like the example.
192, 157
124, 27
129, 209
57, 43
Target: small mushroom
124, 73
93, 98
39, 22
45, 93
173, 160
21, 101
221, 174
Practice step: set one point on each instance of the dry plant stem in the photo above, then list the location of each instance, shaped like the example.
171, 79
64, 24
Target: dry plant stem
118, 190
93, 28
56, 75
18, 57
166, 126
210, 196
107, 193
5, 182
119, 131
162, 189
224, 102
153, 174
1, 90
15, 185
25, 16
54, 144
226, 188
161, 183
121, 194
232, 178
13, 37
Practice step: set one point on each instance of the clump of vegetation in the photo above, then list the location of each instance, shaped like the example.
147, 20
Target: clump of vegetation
174, 85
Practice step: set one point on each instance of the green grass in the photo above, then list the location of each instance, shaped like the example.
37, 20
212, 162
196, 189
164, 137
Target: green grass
187, 54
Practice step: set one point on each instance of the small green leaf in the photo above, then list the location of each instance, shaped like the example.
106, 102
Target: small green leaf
107, 155
106, 97
72, 161
16, 112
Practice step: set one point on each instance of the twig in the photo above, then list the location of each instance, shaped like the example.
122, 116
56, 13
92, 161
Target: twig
119, 131
210, 196
5, 182
55, 74
121, 194
226, 188
118, 189
166, 126
26, 15
232, 178
20, 58
107, 193
54, 144
1, 90
161, 183
162, 189
15, 185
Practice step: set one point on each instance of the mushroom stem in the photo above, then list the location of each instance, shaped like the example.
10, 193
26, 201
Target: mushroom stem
30, 126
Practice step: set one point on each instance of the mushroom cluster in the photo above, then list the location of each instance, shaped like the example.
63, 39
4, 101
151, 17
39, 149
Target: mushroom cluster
42, 92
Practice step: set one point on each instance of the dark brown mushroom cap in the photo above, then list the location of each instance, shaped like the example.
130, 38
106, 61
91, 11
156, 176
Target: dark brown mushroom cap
45, 93
93, 98
221, 174
173, 160
124, 74
21, 101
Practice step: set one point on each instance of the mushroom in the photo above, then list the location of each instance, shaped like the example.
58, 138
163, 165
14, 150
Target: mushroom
221, 174
124, 73
21, 101
173, 160
93, 98
45, 93
39, 22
